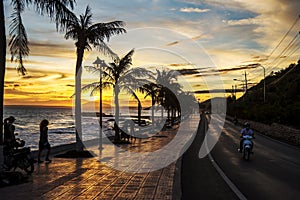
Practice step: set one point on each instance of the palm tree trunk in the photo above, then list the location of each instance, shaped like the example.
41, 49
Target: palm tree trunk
2, 75
152, 110
79, 144
139, 112
117, 113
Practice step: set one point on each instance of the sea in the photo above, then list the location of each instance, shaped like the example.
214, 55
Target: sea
61, 129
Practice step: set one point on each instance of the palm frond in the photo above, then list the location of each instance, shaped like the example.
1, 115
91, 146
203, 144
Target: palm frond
92, 69
103, 48
57, 10
91, 87
86, 19
106, 30
126, 61
18, 42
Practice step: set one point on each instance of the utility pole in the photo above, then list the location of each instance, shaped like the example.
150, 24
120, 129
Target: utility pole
246, 83
264, 82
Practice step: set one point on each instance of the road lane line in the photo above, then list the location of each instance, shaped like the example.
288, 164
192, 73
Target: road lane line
232, 186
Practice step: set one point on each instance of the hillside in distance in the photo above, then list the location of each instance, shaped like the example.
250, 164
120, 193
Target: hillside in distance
282, 103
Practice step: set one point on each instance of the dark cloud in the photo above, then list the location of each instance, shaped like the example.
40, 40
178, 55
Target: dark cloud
179, 64
62, 76
193, 38
19, 92
197, 37
243, 67
212, 72
172, 43
46, 44
257, 59
188, 71
217, 91
10, 82
192, 71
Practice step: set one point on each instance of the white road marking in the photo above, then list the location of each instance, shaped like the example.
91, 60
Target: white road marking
232, 186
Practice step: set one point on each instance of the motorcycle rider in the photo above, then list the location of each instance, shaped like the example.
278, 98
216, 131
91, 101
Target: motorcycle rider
9, 131
246, 131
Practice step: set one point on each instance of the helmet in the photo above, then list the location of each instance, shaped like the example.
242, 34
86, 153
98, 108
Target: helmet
247, 125
11, 119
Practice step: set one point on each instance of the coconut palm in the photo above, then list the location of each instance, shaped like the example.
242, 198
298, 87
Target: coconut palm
150, 89
168, 89
119, 76
86, 34
55, 9
135, 96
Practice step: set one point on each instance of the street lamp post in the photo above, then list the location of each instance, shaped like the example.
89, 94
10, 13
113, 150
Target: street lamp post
99, 64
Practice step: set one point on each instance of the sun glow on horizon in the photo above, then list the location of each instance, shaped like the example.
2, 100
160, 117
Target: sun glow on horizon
164, 36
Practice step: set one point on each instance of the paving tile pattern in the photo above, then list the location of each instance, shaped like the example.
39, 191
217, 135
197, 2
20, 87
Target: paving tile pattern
87, 178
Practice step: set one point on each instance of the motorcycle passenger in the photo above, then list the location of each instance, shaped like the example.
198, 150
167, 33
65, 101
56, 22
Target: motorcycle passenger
9, 131
246, 131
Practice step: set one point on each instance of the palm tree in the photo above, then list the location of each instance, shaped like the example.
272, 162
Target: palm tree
86, 34
151, 89
119, 76
55, 9
168, 89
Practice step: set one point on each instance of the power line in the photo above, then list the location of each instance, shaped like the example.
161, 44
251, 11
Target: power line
285, 50
267, 65
295, 22
291, 53
277, 80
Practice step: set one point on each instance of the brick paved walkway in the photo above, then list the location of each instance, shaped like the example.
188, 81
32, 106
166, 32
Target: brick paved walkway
87, 178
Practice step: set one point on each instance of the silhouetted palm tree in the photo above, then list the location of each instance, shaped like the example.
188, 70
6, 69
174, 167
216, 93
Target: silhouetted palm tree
168, 89
139, 107
86, 34
121, 77
151, 89
55, 9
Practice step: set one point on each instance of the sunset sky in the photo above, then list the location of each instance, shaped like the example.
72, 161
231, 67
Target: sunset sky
199, 36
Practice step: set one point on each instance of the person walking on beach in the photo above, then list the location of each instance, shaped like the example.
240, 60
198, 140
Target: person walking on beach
44, 143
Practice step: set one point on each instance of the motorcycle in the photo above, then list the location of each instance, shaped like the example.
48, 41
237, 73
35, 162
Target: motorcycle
247, 146
18, 156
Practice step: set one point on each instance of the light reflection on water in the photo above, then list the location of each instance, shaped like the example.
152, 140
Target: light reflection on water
61, 128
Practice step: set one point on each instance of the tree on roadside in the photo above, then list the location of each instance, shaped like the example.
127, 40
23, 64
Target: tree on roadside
55, 9
86, 35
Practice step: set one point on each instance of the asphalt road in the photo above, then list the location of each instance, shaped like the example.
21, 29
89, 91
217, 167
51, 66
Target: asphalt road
199, 179
273, 171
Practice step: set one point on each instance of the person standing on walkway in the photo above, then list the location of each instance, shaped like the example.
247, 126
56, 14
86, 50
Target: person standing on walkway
44, 143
